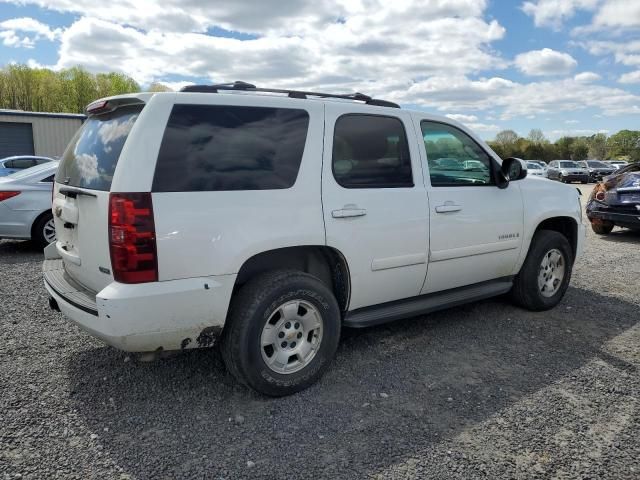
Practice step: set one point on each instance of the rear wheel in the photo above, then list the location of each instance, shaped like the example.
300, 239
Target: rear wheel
282, 332
602, 228
544, 277
43, 231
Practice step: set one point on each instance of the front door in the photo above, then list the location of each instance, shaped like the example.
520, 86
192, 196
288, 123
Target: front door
375, 203
475, 227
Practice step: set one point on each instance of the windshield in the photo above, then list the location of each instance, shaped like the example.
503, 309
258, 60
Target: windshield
569, 165
27, 172
90, 159
596, 164
533, 166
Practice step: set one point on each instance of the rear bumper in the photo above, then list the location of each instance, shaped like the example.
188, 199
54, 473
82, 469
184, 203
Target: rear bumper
169, 315
623, 218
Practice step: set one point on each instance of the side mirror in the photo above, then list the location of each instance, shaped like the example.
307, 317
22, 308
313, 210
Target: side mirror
512, 169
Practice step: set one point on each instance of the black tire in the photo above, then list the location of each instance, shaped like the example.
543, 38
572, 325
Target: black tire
37, 230
584, 182
250, 310
525, 291
602, 228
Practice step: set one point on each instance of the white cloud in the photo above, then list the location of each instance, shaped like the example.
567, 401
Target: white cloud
10, 39
553, 135
459, 117
618, 14
545, 62
587, 77
625, 53
364, 49
571, 122
630, 77
519, 99
9, 32
554, 12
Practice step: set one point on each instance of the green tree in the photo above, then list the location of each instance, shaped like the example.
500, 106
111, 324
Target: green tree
564, 147
598, 146
580, 150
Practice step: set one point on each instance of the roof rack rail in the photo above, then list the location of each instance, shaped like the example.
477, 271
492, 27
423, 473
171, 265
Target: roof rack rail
248, 87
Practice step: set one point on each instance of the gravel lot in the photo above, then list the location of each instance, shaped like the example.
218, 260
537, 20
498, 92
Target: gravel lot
481, 391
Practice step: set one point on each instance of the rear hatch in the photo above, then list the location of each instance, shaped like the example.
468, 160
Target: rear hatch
623, 189
81, 192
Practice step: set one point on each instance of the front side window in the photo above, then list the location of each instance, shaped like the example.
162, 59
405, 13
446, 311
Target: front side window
454, 158
371, 151
222, 147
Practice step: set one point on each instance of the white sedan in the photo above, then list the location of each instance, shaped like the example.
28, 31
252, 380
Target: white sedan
536, 170
25, 204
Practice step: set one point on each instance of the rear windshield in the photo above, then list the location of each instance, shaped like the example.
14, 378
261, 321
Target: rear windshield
216, 148
90, 159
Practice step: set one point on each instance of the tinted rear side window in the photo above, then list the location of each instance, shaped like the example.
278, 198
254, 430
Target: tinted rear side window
221, 147
90, 159
371, 151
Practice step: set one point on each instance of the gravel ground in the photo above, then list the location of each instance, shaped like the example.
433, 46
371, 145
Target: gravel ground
481, 391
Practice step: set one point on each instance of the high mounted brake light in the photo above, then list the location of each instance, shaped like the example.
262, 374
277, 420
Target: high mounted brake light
98, 106
132, 238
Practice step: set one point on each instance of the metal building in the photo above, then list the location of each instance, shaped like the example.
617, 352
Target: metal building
36, 133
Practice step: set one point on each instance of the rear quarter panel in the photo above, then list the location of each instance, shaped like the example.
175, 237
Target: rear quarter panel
214, 233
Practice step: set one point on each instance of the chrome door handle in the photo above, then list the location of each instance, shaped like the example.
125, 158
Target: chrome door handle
448, 207
348, 211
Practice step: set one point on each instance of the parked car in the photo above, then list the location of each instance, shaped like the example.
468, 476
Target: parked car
617, 164
270, 219
25, 204
534, 169
9, 165
540, 162
567, 171
616, 201
596, 169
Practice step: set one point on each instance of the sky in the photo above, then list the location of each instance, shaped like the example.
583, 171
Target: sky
568, 67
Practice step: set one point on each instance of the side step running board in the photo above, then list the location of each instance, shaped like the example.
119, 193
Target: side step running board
411, 307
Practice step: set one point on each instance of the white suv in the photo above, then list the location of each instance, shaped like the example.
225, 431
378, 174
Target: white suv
273, 218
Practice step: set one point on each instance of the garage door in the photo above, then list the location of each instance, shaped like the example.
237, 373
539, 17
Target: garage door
15, 139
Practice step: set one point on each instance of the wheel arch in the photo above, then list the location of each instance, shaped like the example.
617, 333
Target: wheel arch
567, 226
325, 263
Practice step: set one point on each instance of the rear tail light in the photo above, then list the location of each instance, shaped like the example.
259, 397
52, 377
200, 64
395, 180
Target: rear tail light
600, 196
598, 192
132, 238
7, 195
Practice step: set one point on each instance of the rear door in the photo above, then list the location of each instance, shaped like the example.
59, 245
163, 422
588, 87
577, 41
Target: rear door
374, 200
81, 195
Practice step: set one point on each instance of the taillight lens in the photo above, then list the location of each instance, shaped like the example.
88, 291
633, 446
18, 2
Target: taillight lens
598, 192
7, 195
132, 238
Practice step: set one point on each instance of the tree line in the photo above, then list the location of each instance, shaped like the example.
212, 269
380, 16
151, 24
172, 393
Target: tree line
624, 145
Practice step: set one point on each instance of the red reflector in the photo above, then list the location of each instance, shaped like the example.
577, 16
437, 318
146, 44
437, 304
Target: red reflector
600, 195
132, 238
7, 195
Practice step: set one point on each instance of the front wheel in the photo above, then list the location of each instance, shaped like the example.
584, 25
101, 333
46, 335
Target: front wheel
282, 332
546, 272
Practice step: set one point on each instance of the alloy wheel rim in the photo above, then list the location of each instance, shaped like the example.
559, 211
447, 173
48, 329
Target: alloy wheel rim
552, 272
49, 231
291, 337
